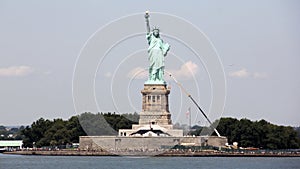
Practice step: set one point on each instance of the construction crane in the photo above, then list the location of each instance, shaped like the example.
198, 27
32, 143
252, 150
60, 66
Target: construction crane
190, 96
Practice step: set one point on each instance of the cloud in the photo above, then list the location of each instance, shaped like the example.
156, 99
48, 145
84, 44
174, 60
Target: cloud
108, 74
240, 73
48, 72
243, 73
258, 75
186, 71
138, 73
16, 71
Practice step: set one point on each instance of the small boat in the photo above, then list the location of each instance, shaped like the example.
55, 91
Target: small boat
2, 150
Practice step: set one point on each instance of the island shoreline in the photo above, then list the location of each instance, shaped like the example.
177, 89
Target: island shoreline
164, 154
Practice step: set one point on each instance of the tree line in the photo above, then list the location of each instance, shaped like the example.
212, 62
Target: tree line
260, 134
10, 133
61, 132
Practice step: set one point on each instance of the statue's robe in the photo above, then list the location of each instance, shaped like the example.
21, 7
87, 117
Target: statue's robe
157, 51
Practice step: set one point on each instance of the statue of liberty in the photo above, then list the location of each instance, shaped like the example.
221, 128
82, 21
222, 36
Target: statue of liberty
157, 50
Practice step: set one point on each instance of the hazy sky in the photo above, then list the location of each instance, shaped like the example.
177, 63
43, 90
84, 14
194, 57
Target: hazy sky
257, 42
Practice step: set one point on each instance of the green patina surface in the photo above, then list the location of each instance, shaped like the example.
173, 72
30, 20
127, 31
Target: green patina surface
157, 51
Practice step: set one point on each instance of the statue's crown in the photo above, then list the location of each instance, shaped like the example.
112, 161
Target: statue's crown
155, 28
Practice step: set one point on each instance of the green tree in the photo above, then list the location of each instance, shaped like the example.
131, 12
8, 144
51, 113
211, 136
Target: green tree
36, 132
74, 129
259, 134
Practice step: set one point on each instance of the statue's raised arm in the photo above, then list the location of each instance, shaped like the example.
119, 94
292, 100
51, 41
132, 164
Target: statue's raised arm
147, 21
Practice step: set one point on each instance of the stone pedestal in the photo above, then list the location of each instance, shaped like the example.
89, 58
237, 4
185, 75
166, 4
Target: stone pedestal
155, 118
155, 106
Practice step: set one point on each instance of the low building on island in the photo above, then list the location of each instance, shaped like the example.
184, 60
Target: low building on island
11, 145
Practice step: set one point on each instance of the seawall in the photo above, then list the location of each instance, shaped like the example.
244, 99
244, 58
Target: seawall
170, 153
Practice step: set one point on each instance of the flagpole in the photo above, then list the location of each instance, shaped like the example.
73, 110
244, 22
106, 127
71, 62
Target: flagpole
190, 121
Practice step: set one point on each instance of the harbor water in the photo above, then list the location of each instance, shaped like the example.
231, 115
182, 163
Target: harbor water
107, 162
